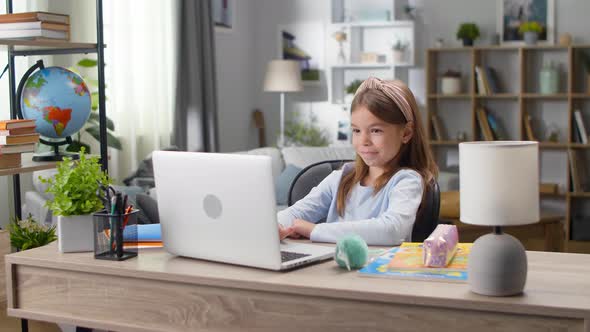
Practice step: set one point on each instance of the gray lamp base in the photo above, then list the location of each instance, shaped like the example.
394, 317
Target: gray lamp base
497, 265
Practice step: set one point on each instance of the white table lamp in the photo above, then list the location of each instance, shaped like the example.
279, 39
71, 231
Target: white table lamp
499, 187
283, 76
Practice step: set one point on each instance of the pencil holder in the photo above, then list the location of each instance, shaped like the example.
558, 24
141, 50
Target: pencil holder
109, 242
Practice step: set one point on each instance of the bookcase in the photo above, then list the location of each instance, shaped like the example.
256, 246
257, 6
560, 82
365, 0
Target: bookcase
48, 47
518, 107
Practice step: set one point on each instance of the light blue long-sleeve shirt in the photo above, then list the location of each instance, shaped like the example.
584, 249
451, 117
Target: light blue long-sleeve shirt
386, 218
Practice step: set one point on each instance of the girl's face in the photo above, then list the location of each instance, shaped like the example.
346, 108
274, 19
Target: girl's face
377, 142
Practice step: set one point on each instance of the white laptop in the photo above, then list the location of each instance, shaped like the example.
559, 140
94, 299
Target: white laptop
221, 207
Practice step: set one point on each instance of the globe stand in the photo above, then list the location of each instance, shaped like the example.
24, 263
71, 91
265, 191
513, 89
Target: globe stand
55, 155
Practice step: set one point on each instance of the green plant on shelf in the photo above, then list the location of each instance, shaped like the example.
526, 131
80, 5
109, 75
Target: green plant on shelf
400, 45
28, 233
92, 127
530, 26
299, 132
353, 86
468, 31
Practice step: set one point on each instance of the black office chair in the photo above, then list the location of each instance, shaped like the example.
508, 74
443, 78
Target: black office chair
312, 175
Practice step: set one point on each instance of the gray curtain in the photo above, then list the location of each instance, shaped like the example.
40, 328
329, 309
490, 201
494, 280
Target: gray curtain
196, 96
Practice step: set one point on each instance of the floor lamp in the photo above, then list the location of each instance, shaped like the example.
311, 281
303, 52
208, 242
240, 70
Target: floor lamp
283, 76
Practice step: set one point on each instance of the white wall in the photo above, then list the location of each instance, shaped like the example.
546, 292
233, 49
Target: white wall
235, 62
240, 81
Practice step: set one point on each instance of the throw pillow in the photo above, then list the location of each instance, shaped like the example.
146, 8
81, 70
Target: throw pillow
149, 208
283, 183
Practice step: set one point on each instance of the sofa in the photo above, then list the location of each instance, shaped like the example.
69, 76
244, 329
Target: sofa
286, 164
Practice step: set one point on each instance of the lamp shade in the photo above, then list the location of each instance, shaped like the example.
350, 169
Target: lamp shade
283, 76
499, 183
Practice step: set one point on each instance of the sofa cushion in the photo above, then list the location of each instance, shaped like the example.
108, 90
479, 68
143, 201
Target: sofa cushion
283, 183
307, 155
148, 208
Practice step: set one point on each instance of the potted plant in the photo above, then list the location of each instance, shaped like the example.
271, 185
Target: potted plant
305, 133
75, 189
468, 32
450, 82
531, 31
28, 233
399, 50
350, 90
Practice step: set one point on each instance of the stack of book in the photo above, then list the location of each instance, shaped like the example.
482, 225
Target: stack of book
486, 79
490, 127
16, 137
35, 25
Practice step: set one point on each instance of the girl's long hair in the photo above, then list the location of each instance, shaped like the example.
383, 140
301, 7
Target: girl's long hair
415, 154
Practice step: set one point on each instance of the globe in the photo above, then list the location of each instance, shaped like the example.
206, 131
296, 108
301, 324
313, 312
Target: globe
58, 100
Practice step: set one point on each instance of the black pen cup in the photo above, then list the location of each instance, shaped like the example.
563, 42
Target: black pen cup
110, 236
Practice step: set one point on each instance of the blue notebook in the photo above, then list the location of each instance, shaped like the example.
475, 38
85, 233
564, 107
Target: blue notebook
143, 233
379, 268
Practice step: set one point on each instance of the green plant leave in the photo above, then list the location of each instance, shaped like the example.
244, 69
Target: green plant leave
28, 233
75, 186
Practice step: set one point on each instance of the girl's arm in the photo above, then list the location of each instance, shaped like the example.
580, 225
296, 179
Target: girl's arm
392, 227
315, 205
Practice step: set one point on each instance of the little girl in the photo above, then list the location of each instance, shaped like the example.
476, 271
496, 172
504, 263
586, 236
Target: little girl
378, 196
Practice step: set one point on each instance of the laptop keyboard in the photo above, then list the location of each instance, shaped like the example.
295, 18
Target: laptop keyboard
289, 256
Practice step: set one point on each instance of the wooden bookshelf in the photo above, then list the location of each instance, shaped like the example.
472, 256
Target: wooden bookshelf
28, 165
518, 70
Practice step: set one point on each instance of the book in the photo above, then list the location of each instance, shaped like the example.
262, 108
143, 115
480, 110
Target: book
486, 131
410, 256
529, 127
575, 177
35, 16
497, 131
142, 233
379, 268
142, 245
34, 25
581, 127
10, 160
19, 139
481, 87
437, 128
492, 79
34, 33
18, 131
16, 123
17, 148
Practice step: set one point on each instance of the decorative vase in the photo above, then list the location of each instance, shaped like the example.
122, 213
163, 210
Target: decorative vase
467, 42
398, 56
450, 85
548, 80
531, 37
75, 233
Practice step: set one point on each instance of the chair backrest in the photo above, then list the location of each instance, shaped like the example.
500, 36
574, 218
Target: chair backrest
312, 175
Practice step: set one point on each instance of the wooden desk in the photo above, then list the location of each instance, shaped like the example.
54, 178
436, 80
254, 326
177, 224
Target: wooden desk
161, 292
546, 235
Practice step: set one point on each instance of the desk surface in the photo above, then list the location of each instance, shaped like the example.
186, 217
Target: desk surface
558, 284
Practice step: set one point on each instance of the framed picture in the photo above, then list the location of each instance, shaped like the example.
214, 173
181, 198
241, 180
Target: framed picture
303, 42
223, 14
512, 13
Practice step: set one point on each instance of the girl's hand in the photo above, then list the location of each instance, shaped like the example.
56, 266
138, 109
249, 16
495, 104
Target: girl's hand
285, 231
302, 227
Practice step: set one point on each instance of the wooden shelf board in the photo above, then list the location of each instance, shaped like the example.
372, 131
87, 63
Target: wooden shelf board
498, 96
552, 145
545, 96
545, 47
579, 146
371, 65
580, 95
580, 194
578, 246
45, 43
451, 49
444, 143
455, 96
28, 165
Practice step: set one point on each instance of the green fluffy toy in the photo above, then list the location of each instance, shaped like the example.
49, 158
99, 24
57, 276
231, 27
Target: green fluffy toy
351, 252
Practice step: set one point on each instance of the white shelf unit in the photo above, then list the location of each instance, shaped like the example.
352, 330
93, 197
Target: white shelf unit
370, 27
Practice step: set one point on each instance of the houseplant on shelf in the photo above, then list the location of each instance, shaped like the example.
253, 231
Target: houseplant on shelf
468, 32
350, 90
530, 30
399, 48
299, 132
75, 189
28, 234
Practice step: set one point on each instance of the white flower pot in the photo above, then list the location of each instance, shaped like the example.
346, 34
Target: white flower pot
75, 233
398, 56
450, 85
